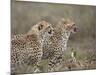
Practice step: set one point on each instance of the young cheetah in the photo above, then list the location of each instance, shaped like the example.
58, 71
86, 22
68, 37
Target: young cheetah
54, 48
26, 49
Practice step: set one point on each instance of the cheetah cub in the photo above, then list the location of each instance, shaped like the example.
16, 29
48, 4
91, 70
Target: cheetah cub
26, 49
54, 48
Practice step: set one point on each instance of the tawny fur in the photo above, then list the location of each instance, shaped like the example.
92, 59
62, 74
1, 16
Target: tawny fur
27, 48
53, 49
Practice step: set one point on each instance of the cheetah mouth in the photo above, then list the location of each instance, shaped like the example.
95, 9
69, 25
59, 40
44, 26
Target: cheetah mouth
50, 32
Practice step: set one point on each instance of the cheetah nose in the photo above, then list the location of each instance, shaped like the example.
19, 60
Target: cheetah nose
51, 32
75, 29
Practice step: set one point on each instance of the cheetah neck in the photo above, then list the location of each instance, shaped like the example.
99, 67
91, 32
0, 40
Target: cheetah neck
61, 37
64, 33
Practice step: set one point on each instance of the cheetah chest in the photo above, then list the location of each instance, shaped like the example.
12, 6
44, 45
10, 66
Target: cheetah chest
64, 41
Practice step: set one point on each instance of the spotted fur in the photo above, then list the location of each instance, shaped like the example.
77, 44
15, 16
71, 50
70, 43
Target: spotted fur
53, 49
27, 48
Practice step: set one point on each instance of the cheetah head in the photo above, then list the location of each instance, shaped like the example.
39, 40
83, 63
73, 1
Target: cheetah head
41, 27
68, 25
46, 30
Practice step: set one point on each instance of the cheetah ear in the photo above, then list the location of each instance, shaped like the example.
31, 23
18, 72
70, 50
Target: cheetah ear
63, 21
40, 27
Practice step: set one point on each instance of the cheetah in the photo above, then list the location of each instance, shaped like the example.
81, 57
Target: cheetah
26, 49
54, 48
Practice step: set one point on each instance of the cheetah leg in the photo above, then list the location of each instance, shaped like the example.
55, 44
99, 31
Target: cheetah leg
54, 63
51, 66
38, 64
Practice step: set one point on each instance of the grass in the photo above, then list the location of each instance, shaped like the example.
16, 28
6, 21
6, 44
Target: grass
25, 15
85, 59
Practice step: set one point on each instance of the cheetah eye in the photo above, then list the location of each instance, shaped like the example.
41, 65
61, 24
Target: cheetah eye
40, 27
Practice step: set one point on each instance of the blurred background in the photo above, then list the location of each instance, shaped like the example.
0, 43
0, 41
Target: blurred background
26, 14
